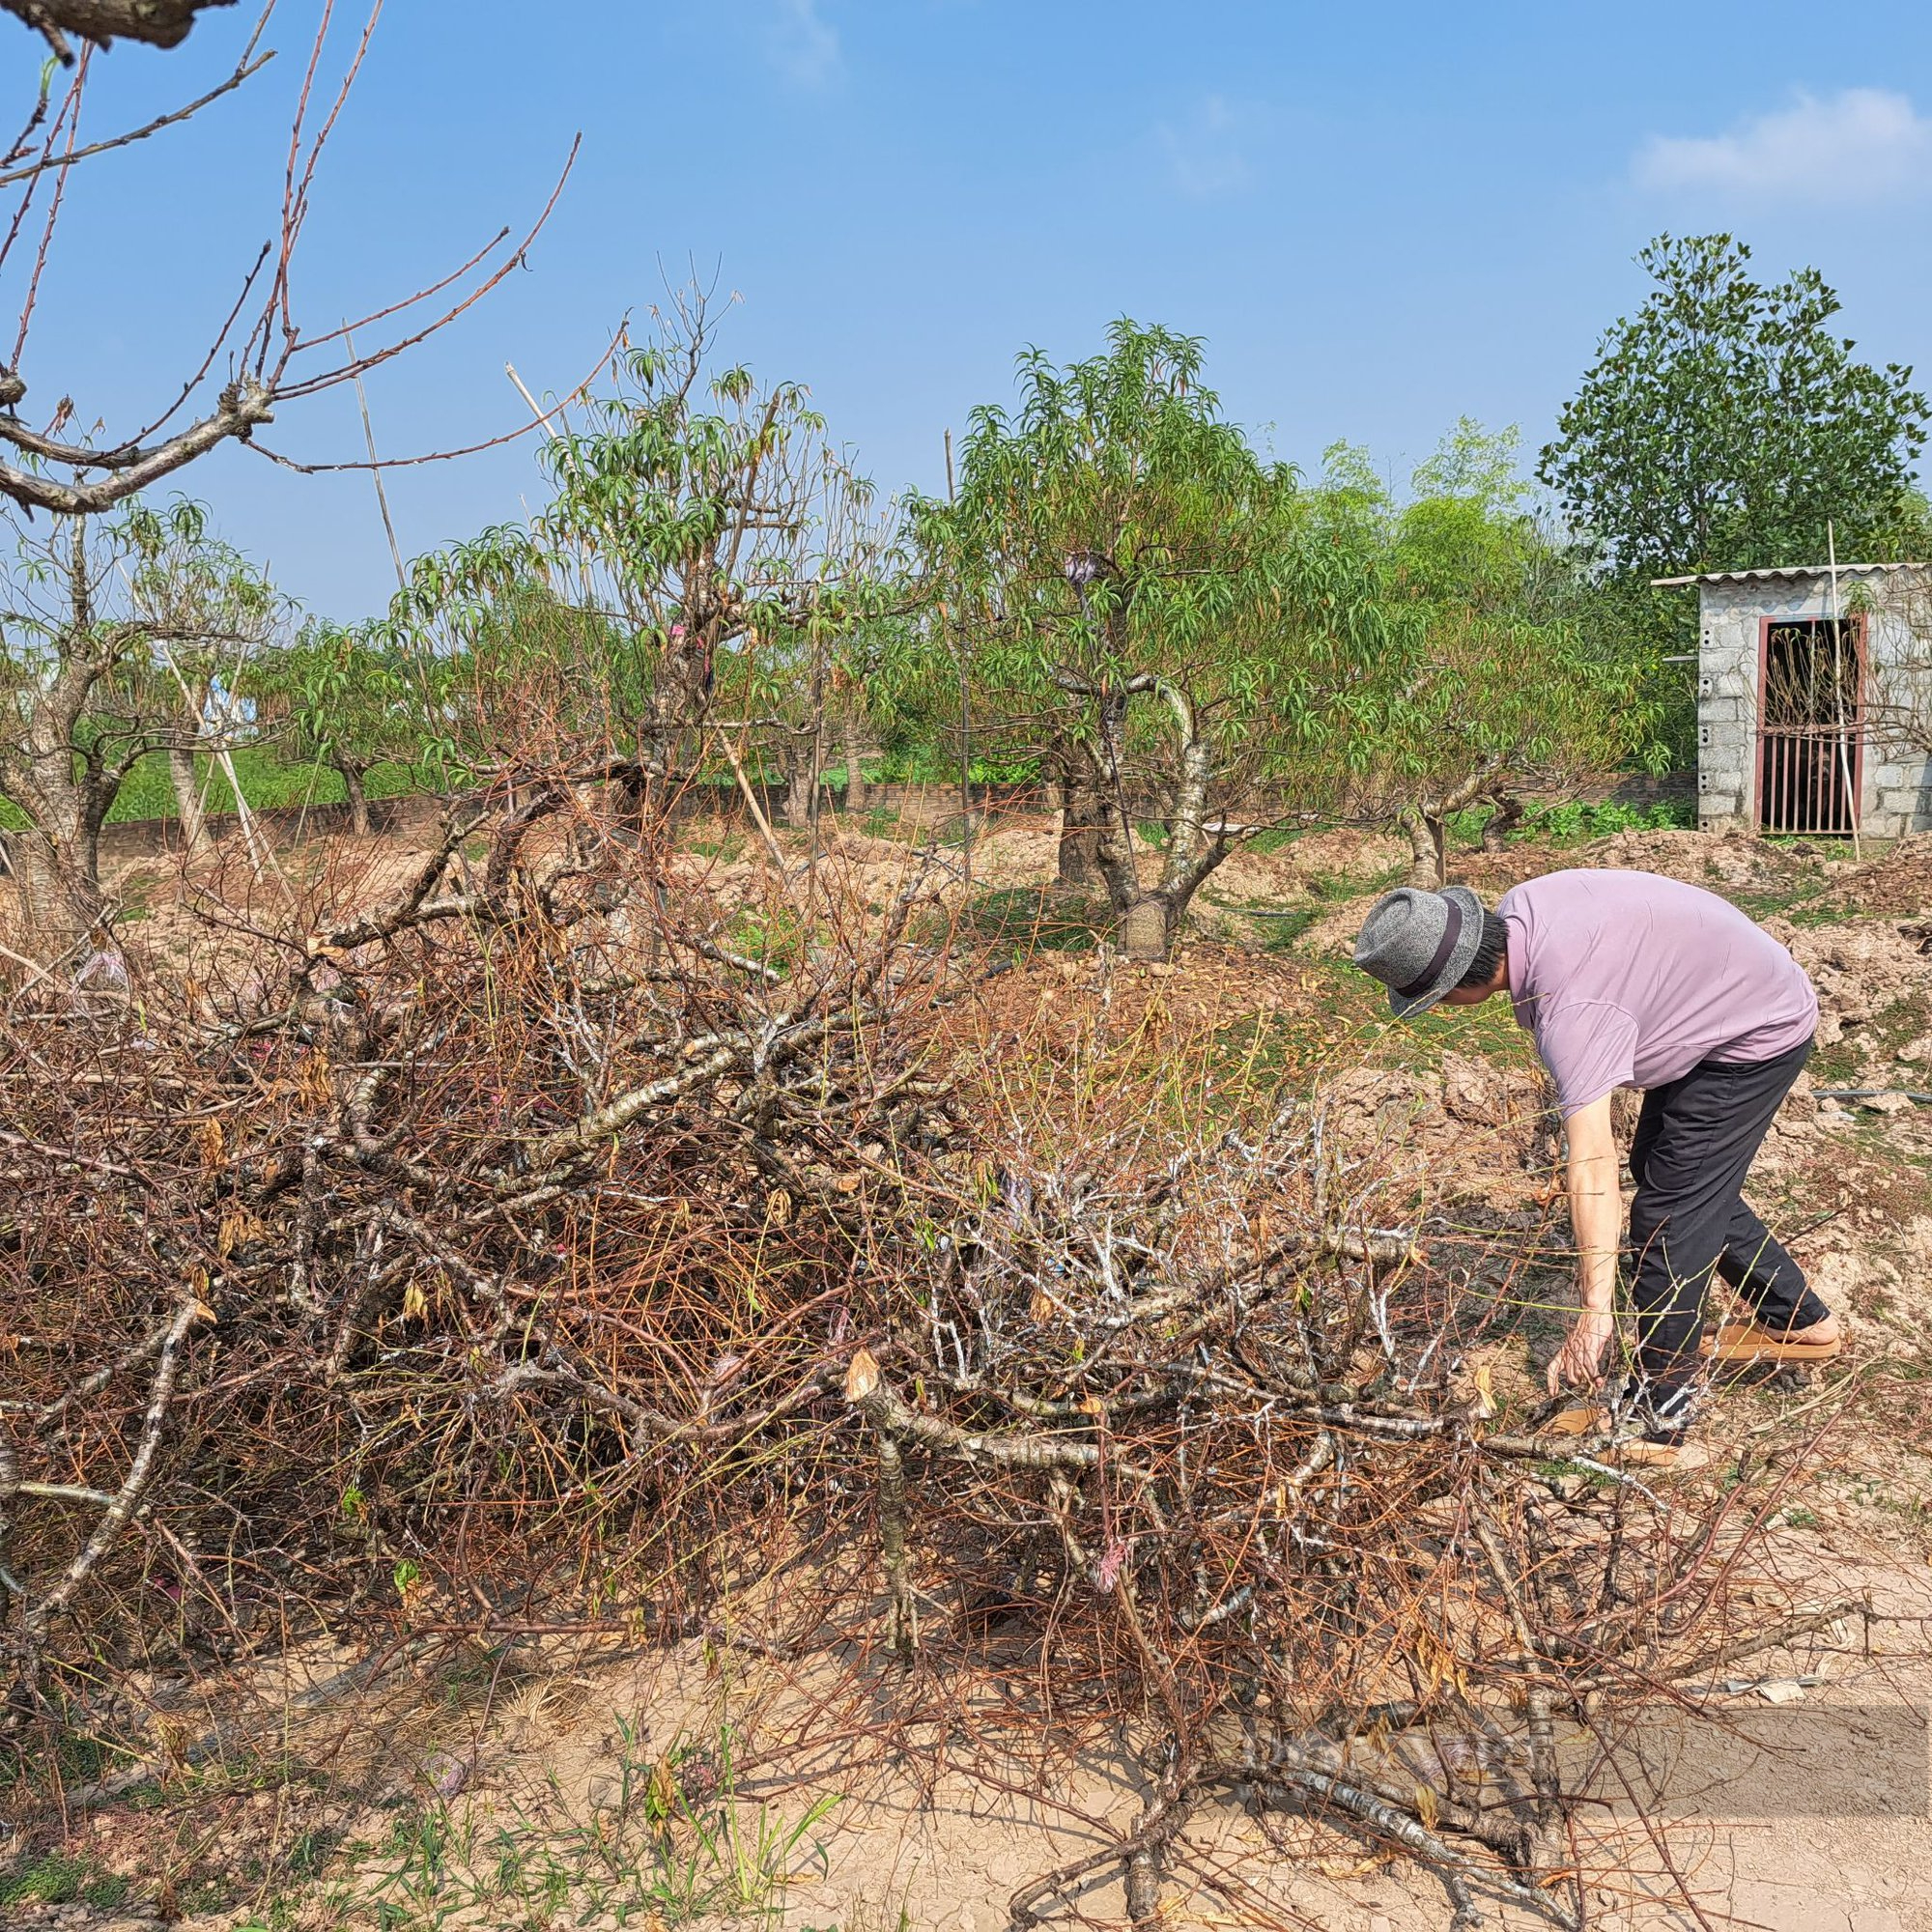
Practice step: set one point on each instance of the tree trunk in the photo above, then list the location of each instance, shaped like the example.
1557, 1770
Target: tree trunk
1080, 819
194, 839
1147, 928
359, 796
798, 788
1502, 821
855, 776
1428, 839
60, 907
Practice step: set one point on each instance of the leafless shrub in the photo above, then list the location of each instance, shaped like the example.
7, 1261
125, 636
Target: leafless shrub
574, 1233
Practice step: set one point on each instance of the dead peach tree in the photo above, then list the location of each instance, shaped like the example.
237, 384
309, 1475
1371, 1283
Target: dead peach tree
265, 353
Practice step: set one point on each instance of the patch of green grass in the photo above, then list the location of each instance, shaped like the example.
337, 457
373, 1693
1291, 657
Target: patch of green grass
267, 784
779, 938
1345, 1020
1577, 824
668, 1840
1792, 901
1850, 1062
62, 1878
210, 1895
884, 822
1823, 851
1336, 888
1275, 838
1280, 931
106, 1891
75, 1757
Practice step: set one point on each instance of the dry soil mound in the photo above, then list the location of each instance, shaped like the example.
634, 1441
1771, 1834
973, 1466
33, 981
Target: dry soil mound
1697, 858
1900, 882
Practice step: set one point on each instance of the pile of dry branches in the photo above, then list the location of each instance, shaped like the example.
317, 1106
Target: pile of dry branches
571, 1232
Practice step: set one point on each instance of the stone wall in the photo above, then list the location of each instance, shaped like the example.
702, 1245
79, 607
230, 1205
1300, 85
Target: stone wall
1897, 789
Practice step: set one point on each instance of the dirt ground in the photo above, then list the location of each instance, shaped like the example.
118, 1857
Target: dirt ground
1811, 1817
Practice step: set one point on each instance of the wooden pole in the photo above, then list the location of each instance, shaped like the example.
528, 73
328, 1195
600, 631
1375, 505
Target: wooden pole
375, 465
965, 699
1852, 800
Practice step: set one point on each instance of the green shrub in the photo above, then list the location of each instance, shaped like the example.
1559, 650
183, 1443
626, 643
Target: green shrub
1578, 824
1567, 823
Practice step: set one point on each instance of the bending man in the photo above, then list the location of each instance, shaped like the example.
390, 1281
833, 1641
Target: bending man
1627, 979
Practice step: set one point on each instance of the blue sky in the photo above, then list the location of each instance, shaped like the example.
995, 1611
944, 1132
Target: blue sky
1382, 217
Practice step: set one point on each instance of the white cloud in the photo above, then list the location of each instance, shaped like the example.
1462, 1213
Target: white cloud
1862, 144
1206, 151
804, 46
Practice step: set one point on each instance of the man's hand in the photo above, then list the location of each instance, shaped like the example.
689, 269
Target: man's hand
1579, 1362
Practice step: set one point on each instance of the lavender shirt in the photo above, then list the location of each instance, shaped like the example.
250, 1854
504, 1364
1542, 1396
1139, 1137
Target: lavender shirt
1627, 979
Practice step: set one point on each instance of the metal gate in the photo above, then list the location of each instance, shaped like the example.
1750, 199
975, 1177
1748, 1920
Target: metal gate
1811, 739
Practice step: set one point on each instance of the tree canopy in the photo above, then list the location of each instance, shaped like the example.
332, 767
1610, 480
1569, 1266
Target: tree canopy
1128, 579
1725, 423
1487, 685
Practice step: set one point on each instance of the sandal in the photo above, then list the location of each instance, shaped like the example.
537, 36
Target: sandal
1744, 1341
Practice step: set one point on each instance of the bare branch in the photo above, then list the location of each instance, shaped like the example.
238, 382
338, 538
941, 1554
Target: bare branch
158, 23
50, 163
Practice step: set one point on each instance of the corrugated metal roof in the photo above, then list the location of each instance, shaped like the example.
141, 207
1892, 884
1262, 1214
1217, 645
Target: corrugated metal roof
1780, 572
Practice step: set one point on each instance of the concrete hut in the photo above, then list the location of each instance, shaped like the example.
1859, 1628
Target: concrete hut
1814, 700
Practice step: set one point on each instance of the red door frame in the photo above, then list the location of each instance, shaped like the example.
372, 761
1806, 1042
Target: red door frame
1856, 621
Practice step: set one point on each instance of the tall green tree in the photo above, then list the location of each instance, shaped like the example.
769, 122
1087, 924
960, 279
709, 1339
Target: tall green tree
1726, 422
213, 615
1489, 686
1133, 590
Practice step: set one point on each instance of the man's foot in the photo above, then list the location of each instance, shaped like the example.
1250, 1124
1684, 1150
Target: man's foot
1660, 1451
1741, 1343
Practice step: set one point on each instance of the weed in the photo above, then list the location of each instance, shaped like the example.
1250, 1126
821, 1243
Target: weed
1573, 824
53, 1880
1031, 918
668, 1838
105, 1890
884, 822
1274, 838
777, 938
1284, 930
1848, 1061
78, 1757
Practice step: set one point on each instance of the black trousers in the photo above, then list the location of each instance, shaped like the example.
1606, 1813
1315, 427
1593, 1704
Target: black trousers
1696, 1138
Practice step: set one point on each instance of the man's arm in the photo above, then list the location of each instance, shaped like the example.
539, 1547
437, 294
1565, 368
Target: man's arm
1596, 1215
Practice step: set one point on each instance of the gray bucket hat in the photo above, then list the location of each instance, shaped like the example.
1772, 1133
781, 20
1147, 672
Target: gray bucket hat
1419, 944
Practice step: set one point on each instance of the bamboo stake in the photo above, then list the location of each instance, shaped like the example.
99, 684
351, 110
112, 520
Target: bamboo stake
751, 798
965, 704
374, 469
1852, 800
